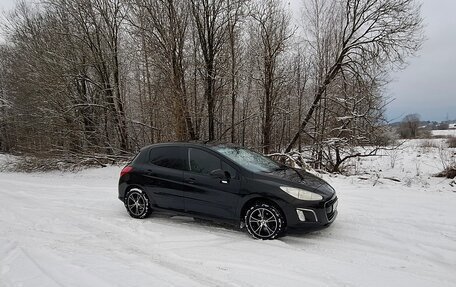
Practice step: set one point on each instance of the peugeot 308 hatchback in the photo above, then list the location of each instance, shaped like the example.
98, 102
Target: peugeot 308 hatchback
225, 183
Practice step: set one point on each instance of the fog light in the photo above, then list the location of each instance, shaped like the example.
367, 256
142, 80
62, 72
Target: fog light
306, 214
301, 215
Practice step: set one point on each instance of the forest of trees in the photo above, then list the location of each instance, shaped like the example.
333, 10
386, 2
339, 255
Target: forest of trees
107, 77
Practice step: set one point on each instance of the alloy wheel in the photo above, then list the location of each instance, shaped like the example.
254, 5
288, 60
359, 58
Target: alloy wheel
137, 203
264, 221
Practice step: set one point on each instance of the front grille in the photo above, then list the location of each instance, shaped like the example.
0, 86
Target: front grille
329, 208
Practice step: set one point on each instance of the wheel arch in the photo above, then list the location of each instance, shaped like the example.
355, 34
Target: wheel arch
132, 186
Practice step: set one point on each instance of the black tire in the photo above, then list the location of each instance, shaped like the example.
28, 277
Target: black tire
137, 203
264, 221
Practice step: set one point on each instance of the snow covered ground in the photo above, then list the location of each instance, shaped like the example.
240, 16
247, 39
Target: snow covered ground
444, 132
69, 229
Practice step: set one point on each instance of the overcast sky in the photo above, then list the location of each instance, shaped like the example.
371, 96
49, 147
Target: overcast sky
428, 85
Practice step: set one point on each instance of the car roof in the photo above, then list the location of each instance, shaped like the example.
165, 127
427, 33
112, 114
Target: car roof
206, 145
192, 144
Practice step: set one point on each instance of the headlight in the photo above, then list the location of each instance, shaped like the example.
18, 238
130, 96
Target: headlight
301, 193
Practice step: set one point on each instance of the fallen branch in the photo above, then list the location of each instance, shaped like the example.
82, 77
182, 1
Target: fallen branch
393, 179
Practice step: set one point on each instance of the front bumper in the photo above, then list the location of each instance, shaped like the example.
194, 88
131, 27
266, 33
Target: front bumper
320, 213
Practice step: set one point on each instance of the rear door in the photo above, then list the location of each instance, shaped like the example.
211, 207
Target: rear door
205, 194
164, 177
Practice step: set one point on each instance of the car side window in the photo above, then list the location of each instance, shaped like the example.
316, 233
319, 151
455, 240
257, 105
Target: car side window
202, 162
228, 168
170, 157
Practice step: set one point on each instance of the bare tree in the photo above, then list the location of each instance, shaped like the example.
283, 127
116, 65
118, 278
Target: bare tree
99, 23
6, 142
102, 78
365, 33
235, 10
273, 32
211, 26
409, 126
167, 34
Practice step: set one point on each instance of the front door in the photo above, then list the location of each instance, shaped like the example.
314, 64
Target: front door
208, 195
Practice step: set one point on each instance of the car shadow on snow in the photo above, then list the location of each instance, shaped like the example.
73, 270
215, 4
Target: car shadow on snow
308, 231
206, 223
194, 221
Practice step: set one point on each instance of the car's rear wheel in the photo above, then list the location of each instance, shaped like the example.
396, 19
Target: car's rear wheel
264, 221
137, 203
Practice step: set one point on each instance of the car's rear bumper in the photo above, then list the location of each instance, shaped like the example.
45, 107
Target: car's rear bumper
122, 189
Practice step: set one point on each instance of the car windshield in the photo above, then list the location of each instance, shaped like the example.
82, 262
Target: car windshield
248, 159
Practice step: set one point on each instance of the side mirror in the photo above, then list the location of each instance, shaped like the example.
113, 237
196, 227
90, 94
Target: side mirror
223, 175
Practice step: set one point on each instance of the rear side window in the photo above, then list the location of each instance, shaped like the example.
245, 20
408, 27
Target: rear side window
170, 157
203, 162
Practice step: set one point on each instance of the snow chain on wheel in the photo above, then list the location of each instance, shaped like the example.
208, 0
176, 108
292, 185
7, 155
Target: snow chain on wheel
264, 221
137, 203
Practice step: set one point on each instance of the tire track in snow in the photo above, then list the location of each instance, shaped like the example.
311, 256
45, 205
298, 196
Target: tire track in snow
94, 235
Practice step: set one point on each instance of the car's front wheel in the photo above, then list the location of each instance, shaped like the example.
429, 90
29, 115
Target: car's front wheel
264, 221
137, 203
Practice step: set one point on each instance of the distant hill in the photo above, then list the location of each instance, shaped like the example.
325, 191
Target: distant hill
432, 125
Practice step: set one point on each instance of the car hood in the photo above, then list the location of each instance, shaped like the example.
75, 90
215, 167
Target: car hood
305, 180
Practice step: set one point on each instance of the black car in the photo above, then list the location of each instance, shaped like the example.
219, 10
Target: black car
225, 183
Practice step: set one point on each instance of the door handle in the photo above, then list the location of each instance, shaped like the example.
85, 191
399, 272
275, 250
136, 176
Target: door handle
190, 180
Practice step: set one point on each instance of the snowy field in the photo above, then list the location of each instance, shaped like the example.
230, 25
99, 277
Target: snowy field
444, 132
69, 229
